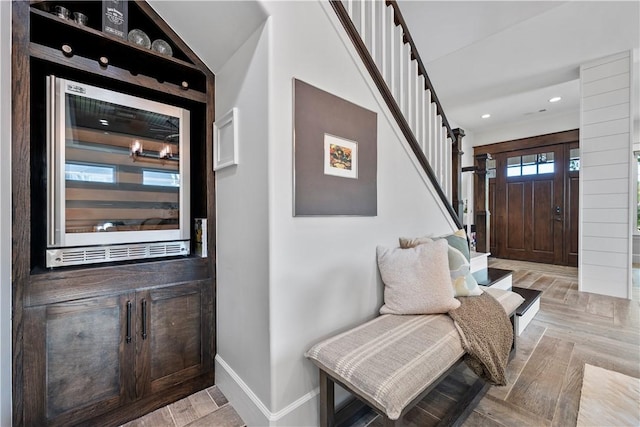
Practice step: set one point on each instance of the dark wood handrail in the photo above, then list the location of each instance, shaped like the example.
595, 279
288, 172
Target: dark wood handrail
352, 31
399, 20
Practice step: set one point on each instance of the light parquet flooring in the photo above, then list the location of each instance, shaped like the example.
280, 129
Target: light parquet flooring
544, 379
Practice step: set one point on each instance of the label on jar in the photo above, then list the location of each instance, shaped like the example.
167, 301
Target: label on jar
115, 17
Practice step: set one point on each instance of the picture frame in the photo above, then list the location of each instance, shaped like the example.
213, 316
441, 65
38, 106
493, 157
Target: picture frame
334, 155
225, 140
340, 157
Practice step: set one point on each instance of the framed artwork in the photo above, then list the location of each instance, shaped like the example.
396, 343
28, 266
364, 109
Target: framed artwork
340, 157
335, 155
225, 140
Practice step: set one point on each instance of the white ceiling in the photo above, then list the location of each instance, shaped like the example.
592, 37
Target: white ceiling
508, 58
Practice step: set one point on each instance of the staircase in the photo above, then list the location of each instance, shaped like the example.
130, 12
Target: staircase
384, 43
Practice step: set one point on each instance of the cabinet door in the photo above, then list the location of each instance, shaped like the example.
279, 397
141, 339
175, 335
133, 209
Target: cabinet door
78, 362
174, 335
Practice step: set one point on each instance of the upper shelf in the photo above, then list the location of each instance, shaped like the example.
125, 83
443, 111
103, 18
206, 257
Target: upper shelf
89, 42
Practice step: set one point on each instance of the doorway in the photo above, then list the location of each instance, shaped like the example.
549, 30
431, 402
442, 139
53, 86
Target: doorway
533, 199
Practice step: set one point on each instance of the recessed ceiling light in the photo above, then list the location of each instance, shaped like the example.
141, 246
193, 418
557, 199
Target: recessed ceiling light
555, 99
486, 116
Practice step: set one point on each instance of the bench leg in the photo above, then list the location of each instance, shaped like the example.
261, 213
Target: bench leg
327, 401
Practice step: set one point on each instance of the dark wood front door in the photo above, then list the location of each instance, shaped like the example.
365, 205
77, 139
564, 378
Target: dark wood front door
530, 219
534, 201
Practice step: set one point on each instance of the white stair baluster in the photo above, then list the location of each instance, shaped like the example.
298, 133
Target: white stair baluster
390, 48
356, 15
399, 65
420, 104
415, 97
448, 169
379, 37
434, 136
427, 126
439, 147
408, 80
366, 13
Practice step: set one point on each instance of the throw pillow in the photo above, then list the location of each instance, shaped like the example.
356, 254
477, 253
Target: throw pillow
463, 282
416, 280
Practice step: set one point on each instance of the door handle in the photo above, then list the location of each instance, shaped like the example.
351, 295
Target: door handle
128, 337
144, 319
558, 213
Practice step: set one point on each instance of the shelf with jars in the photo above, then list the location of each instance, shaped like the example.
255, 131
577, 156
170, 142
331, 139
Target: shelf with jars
70, 33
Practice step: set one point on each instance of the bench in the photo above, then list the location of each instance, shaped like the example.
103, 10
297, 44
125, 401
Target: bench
393, 361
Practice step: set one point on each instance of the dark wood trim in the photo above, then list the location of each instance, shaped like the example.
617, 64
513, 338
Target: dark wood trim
85, 64
57, 286
33, 287
399, 20
531, 142
456, 172
481, 203
344, 18
20, 192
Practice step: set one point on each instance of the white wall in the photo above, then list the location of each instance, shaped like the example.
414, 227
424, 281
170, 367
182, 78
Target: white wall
5, 213
323, 274
242, 199
606, 210
320, 273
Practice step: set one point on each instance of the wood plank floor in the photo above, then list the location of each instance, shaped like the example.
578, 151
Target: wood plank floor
544, 379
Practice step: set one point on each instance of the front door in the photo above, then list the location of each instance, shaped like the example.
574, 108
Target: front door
529, 205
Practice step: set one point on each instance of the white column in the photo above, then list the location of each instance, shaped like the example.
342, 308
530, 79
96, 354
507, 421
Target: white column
606, 214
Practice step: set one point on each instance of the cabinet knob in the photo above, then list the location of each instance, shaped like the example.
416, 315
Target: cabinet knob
104, 61
67, 50
185, 85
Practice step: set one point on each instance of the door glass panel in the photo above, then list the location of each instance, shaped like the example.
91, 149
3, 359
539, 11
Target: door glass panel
574, 160
491, 168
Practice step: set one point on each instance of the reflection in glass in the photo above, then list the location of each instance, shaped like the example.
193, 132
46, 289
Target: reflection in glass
107, 182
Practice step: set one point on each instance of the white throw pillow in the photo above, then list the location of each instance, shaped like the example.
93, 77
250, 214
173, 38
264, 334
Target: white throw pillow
416, 280
463, 282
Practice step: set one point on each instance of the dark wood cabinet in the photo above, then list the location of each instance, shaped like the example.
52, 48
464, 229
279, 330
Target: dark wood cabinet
77, 360
103, 344
94, 355
173, 340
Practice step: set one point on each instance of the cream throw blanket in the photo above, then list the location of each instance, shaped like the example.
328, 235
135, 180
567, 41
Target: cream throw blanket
487, 336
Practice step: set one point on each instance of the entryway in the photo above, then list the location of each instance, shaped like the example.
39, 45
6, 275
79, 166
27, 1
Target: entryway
533, 198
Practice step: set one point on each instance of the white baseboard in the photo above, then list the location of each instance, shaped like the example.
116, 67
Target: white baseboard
302, 412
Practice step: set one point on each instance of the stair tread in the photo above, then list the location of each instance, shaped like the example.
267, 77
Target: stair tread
489, 276
530, 297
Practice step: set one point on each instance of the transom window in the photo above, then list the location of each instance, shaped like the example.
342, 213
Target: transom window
531, 164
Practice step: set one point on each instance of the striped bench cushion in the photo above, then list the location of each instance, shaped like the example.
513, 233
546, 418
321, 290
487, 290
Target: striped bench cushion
391, 359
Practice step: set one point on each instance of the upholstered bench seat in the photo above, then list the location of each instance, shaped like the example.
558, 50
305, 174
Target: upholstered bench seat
390, 360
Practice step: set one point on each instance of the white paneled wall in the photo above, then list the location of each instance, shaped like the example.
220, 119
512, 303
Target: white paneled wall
605, 176
384, 40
